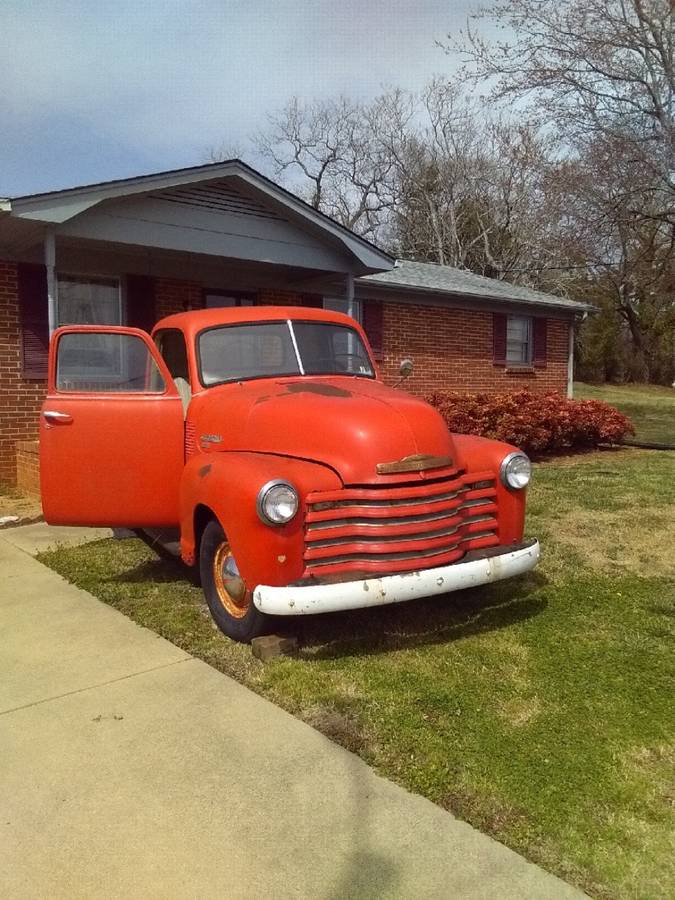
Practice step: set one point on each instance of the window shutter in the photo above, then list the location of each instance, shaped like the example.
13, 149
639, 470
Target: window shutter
539, 341
141, 302
373, 325
314, 300
499, 339
34, 320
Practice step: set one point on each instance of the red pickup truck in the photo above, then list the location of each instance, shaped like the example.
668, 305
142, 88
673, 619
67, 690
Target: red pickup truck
299, 483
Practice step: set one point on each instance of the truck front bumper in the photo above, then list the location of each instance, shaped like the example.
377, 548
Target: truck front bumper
492, 565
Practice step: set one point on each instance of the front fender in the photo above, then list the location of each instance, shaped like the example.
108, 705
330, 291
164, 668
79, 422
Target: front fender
228, 483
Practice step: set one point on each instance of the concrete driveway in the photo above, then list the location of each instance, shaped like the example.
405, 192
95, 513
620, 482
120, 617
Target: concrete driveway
130, 769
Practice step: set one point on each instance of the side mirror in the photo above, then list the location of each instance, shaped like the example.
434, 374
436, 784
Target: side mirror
404, 370
406, 367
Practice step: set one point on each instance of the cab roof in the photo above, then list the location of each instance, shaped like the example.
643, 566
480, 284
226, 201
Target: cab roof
191, 323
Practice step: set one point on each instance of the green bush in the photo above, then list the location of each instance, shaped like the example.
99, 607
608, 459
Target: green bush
537, 423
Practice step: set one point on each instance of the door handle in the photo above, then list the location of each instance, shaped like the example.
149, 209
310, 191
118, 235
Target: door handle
57, 418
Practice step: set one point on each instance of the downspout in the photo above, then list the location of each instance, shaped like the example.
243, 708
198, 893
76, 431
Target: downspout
50, 263
570, 355
570, 362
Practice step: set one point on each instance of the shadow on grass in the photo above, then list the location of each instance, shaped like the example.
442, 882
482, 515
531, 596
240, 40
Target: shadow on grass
397, 626
416, 623
159, 571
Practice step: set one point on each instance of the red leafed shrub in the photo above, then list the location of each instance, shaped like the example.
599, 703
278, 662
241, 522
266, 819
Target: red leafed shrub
537, 423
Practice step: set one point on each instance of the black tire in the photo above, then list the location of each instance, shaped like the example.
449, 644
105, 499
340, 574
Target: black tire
238, 619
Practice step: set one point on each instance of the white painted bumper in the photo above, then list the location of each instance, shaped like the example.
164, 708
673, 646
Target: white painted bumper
323, 598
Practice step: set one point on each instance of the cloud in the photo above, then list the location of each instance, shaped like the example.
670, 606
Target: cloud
93, 90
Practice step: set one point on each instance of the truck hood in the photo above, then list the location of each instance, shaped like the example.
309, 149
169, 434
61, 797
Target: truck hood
349, 424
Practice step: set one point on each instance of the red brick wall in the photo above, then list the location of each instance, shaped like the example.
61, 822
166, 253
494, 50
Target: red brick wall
452, 349
20, 398
28, 466
270, 297
173, 296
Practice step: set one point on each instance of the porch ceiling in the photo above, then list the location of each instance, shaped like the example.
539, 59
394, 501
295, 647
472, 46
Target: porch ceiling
85, 256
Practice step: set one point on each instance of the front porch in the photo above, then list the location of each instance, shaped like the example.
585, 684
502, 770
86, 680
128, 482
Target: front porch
131, 252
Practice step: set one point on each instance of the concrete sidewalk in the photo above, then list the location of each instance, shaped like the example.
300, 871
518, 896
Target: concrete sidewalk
130, 769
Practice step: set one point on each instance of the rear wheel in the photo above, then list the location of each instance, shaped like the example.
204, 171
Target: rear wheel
228, 597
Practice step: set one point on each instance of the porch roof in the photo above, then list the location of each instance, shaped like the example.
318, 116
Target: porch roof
223, 209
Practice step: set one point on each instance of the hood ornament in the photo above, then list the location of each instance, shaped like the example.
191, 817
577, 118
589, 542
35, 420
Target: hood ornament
417, 463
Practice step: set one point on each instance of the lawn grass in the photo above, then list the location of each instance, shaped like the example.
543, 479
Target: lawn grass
650, 407
539, 710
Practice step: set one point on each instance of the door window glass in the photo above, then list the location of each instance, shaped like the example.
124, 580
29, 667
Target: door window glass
108, 362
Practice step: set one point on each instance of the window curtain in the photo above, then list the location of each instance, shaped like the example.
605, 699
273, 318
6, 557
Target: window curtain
94, 301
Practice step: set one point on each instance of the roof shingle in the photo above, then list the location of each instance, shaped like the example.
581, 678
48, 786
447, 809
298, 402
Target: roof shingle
436, 279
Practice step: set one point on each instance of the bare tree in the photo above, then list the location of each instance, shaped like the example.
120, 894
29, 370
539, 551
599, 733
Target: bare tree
470, 189
224, 151
429, 176
630, 255
596, 69
331, 152
599, 75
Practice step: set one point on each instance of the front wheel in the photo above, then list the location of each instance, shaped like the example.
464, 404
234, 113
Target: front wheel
227, 595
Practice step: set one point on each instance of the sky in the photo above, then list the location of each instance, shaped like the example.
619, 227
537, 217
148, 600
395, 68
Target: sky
92, 90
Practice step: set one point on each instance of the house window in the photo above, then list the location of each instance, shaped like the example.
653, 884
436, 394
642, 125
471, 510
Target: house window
519, 340
220, 299
84, 300
337, 304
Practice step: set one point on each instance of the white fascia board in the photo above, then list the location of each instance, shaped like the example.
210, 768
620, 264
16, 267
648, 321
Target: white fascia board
60, 206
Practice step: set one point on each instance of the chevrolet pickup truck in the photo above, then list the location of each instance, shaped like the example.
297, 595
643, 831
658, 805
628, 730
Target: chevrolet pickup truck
296, 480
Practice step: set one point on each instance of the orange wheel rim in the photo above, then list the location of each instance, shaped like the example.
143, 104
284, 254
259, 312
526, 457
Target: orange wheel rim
230, 587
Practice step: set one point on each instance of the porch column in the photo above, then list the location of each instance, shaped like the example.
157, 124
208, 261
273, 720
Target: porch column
50, 263
350, 295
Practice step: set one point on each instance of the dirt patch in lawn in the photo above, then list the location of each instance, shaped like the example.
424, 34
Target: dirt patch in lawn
626, 546
590, 457
519, 711
15, 503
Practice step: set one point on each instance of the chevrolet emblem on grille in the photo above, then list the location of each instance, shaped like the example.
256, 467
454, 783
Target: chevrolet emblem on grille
417, 463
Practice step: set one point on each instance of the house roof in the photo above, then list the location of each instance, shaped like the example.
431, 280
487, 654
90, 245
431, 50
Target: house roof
430, 278
57, 207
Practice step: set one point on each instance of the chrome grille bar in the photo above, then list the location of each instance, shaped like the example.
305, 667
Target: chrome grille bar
383, 557
341, 534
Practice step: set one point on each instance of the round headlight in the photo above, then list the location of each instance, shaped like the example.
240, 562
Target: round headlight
515, 471
277, 502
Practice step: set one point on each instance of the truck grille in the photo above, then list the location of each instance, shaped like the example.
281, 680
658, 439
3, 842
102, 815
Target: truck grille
399, 527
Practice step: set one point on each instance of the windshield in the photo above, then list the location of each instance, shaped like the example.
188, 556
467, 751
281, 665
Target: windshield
268, 349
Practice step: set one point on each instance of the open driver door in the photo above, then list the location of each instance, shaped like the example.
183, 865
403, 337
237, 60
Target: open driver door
111, 431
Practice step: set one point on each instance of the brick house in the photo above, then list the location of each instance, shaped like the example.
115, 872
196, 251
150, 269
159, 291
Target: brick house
131, 251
